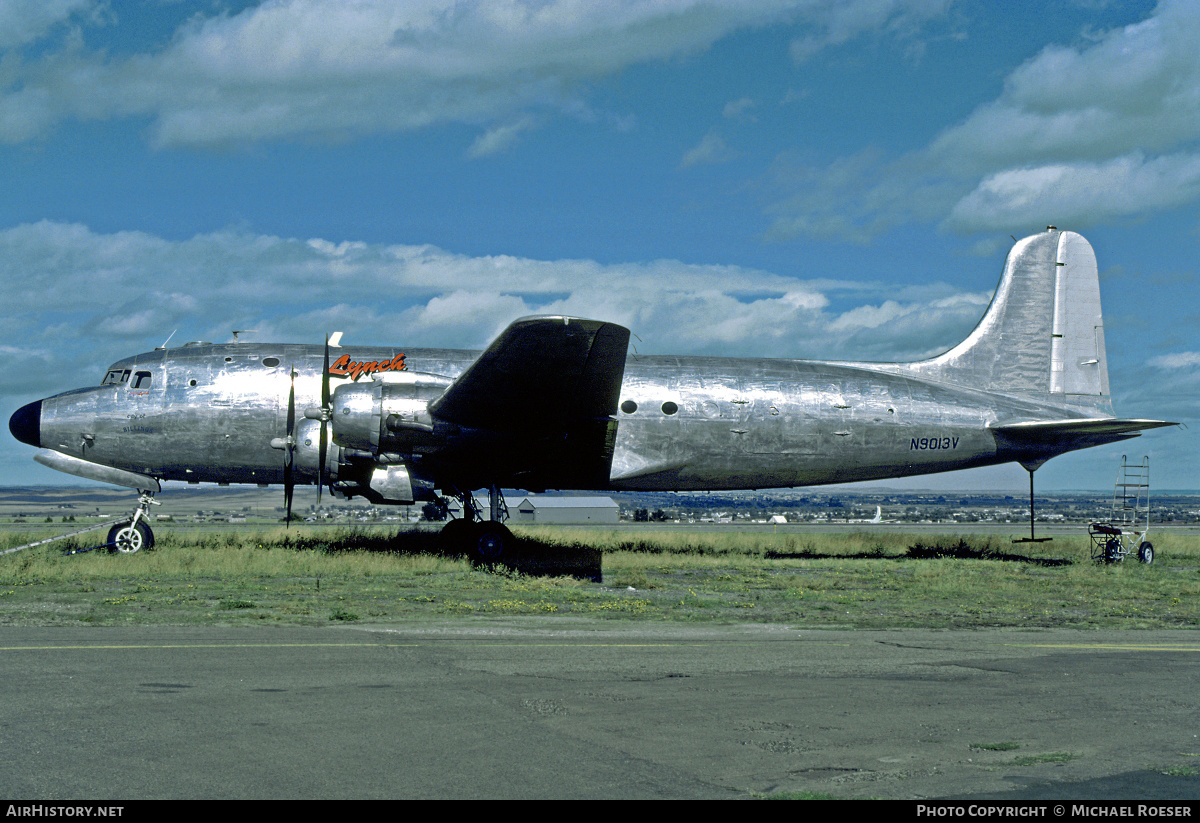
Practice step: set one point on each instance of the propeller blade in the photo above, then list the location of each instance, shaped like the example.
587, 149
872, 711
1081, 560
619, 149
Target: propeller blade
289, 484
288, 488
291, 412
323, 440
325, 379
322, 452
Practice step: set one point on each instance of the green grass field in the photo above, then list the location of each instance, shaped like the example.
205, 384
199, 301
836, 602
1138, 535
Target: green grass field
321, 576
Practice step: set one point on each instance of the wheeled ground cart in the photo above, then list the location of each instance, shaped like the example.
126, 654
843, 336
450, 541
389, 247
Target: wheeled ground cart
1126, 532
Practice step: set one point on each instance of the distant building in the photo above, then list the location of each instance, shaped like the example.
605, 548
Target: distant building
554, 510
564, 510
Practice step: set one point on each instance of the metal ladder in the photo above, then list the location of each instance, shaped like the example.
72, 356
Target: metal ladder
1131, 496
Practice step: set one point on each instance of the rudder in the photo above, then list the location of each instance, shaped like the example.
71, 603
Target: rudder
1077, 362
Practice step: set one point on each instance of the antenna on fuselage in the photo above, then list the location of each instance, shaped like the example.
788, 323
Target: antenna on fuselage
165, 342
236, 332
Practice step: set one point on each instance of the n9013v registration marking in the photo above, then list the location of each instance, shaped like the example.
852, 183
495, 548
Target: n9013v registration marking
933, 443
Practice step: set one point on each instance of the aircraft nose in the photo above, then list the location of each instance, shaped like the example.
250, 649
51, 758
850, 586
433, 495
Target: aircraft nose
26, 424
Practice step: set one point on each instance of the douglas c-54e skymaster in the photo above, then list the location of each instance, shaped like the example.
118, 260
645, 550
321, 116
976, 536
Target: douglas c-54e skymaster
557, 403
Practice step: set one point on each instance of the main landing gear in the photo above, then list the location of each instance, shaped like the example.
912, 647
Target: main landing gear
134, 534
483, 540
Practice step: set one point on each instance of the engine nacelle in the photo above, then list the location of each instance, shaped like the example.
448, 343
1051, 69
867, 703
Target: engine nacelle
398, 484
308, 450
389, 414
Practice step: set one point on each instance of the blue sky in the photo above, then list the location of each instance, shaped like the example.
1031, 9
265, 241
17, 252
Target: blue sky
806, 178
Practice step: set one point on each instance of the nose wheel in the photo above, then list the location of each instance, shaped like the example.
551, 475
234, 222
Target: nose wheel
134, 534
130, 537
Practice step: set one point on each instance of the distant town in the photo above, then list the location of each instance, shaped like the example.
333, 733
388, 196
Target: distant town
814, 507
849, 506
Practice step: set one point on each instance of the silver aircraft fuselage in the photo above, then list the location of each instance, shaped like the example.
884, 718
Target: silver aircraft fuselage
208, 413
556, 402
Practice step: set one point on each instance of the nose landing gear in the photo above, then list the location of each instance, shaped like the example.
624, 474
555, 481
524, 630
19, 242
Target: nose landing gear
134, 534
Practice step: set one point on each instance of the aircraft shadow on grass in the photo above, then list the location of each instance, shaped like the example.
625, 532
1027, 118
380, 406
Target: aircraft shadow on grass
527, 556
960, 550
535, 557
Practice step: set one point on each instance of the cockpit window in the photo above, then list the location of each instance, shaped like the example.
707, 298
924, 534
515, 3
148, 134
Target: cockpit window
115, 377
141, 380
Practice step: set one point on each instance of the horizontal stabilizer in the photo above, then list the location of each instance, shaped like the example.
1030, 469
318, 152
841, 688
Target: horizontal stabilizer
1085, 431
1049, 429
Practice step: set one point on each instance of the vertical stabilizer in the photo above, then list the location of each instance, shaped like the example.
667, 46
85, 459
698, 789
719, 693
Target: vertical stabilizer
1042, 333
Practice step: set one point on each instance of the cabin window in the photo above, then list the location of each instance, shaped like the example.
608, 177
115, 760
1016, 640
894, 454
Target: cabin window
270, 362
115, 377
670, 407
629, 407
141, 380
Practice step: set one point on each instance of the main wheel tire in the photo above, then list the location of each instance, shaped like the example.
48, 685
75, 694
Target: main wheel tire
455, 536
1146, 553
127, 538
490, 541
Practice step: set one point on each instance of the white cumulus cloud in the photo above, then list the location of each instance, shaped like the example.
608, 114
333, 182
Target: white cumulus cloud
1179, 360
25, 21
1079, 194
88, 298
327, 67
1102, 129
710, 149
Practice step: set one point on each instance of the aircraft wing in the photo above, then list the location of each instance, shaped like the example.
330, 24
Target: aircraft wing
1088, 431
540, 401
540, 369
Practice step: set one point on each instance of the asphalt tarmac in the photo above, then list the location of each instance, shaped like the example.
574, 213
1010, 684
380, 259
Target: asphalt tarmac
565, 708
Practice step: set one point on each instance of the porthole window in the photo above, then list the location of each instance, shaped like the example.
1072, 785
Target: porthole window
670, 407
270, 362
629, 407
192, 382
